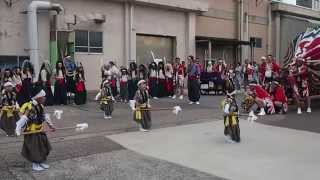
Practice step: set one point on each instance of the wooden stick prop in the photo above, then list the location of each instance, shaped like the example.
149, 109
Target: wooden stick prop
79, 128
175, 110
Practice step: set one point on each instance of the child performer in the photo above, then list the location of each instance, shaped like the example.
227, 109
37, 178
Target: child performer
106, 99
36, 146
231, 119
9, 109
142, 114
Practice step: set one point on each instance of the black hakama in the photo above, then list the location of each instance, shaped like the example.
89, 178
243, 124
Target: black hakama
36, 147
124, 91
232, 128
8, 122
153, 88
132, 88
143, 117
193, 90
162, 88
80, 93
107, 107
60, 92
49, 94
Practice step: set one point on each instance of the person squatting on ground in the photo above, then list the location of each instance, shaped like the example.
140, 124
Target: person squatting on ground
106, 99
36, 146
231, 119
262, 99
142, 114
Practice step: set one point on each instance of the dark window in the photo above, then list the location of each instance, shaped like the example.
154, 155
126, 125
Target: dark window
257, 42
88, 41
304, 3
11, 61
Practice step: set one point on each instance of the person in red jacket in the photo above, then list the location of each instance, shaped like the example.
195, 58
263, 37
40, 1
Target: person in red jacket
262, 98
279, 97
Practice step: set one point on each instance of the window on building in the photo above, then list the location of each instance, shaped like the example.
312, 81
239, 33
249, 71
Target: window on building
316, 5
257, 42
304, 3
88, 41
12, 61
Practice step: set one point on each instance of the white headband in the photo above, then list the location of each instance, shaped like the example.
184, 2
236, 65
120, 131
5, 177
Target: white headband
42, 93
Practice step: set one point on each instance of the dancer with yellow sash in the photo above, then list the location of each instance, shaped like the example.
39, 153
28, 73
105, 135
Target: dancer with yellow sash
36, 146
106, 99
142, 114
231, 118
9, 109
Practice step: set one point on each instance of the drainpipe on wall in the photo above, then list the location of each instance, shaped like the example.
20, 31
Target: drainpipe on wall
269, 50
240, 27
33, 7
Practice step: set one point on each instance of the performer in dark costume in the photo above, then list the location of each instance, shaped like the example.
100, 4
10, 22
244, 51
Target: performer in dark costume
36, 146
80, 90
143, 72
70, 68
27, 79
142, 114
193, 81
161, 80
7, 77
106, 99
124, 85
17, 82
133, 80
231, 119
169, 80
60, 92
153, 80
45, 80
9, 109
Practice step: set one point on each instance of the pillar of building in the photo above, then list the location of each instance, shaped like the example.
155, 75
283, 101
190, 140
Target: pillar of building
130, 35
278, 35
190, 33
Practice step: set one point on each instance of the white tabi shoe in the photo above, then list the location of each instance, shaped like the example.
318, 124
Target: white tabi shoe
143, 130
37, 167
45, 166
109, 117
105, 117
174, 96
155, 98
309, 110
191, 102
198, 102
262, 112
299, 111
181, 97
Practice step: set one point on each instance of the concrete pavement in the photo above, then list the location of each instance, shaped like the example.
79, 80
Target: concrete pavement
265, 152
277, 151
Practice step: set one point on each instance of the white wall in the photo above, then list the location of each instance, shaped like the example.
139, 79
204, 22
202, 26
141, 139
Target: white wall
113, 35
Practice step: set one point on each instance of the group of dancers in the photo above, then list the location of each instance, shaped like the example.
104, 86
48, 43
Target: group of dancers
23, 100
23, 97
